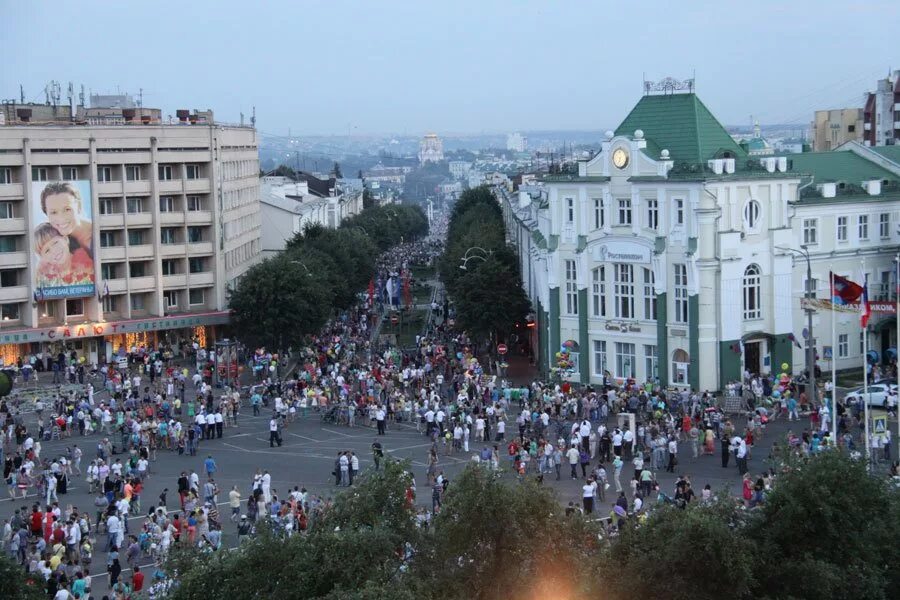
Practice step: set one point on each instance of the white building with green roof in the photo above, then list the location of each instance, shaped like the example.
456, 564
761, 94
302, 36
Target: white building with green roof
661, 257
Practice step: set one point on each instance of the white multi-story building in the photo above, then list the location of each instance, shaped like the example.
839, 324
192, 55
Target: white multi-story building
459, 169
516, 142
167, 218
668, 254
881, 113
431, 149
288, 206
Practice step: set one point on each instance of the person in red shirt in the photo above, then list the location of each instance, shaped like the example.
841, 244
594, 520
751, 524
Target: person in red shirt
37, 518
137, 580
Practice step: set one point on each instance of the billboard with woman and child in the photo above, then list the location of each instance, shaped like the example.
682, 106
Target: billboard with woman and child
62, 239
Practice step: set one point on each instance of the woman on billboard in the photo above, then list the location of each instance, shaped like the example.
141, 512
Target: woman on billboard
63, 243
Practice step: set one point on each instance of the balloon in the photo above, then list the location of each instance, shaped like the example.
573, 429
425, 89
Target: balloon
459, 355
776, 394
272, 368
785, 366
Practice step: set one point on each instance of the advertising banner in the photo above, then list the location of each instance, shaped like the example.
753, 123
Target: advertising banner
62, 239
888, 308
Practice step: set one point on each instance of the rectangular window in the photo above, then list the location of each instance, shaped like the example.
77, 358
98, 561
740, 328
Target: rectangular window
136, 237
110, 304
137, 269
599, 357
624, 211
166, 204
624, 290
109, 270
598, 291
679, 212
197, 264
70, 173
74, 307
863, 226
651, 362
193, 171
843, 347
196, 296
170, 299
168, 235
108, 239
598, 213
652, 214
862, 343
681, 294
625, 366
649, 295
135, 204
9, 277
571, 288
7, 210
169, 266
134, 173
842, 229
884, 225
6, 175
194, 203
570, 210
8, 243
810, 287
39, 173
108, 206
165, 172
104, 174
195, 234
137, 301
810, 231
9, 312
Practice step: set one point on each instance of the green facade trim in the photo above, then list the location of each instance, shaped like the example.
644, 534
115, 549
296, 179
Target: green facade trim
781, 350
729, 363
582, 243
659, 244
553, 244
584, 365
541, 319
662, 339
539, 240
553, 348
694, 340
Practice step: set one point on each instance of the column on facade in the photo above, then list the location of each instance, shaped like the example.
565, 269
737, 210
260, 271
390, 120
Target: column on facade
582, 278
29, 317
553, 286
660, 271
635, 211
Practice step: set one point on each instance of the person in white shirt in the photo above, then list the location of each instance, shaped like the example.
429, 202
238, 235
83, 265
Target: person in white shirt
572, 455
587, 495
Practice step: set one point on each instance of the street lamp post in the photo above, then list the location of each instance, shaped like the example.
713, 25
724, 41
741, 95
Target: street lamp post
811, 340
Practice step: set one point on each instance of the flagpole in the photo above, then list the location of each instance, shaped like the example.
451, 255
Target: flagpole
865, 359
834, 355
897, 342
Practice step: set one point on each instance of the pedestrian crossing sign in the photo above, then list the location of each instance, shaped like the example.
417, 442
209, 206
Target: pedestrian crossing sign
880, 424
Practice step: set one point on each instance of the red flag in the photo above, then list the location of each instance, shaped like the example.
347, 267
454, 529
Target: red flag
864, 306
844, 291
407, 297
371, 291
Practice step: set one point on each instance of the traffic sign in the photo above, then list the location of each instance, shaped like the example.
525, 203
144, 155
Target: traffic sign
502, 349
879, 424
395, 319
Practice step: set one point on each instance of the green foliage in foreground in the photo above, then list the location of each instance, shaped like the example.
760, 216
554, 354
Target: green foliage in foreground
827, 531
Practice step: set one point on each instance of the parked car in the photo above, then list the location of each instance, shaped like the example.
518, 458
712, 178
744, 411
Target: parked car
877, 394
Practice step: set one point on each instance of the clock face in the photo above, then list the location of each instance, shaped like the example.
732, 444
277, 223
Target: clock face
620, 158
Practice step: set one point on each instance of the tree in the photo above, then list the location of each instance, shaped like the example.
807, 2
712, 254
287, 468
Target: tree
285, 171
489, 298
336, 170
367, 199
15, 585
681, 554
829, 530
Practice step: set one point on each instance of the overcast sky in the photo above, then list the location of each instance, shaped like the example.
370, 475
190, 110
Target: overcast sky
452, 66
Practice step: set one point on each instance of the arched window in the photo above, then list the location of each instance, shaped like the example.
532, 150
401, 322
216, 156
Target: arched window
681, 363
752, 295
752, 215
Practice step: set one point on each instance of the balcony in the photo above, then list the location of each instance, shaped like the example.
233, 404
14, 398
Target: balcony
13, 260
141, 218
170, 250
140, 251
199, 217
12, 191
109, 188
183, 156
113, 221
202, 279
171, 218
137, 188
12, 226
142, 284
16, 293
169, 186
196, 186
179, 280
200, 248
112, 254
116, 286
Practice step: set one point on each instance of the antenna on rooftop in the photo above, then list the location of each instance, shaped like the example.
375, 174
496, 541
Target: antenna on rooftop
81, 95
253, 118
21, 94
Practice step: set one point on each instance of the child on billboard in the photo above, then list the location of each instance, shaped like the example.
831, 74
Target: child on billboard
64, 242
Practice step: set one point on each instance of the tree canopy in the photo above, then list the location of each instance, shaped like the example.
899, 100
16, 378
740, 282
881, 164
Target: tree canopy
283, 299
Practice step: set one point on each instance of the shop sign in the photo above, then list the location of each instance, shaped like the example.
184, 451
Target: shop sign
88, 330
887, 308
622, 252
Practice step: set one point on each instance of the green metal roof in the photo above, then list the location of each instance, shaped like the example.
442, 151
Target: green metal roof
838, 167
681, 124
889, 152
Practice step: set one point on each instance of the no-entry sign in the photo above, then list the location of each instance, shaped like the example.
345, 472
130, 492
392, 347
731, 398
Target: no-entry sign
502, 349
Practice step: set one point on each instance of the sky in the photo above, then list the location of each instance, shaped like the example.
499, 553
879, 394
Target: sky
460, 66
